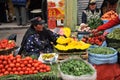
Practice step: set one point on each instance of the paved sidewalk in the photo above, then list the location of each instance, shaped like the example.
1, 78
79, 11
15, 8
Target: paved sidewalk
12, 25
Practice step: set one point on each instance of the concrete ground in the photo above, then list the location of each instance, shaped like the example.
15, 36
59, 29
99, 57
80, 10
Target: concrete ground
7, 29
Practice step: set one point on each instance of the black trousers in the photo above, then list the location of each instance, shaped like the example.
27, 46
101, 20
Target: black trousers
3, 16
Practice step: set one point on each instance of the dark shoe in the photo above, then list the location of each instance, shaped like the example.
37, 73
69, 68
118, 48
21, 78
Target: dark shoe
0, 24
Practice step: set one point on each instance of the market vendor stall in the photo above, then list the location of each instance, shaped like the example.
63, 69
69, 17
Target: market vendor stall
64, 63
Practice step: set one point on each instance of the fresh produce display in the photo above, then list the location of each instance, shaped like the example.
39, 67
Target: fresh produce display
94, 38
21, 66
6, 44
76, 68
65, 31
113, 38
101, 50
115, 34
110, 15
66, 44
63, 40
84, 28
94, 22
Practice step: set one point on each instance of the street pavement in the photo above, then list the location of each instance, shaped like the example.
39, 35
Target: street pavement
6, 29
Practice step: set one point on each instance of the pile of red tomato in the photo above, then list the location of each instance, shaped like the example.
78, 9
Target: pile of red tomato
94, 39
21, 66
6, 44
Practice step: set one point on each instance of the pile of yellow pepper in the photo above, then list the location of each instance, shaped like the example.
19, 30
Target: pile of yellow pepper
65, 44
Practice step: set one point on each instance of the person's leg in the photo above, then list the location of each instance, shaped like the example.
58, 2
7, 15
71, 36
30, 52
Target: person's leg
17, 13
23, 16
2, 13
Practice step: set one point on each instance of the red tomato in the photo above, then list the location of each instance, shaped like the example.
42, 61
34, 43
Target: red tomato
25, 62
6, 73
18, 59
35, 71
18, 68
48, 68
3, 70
11, 73
17, 64
22, 65
21, 72
14, 61
4, 62
30, 61
1, 74
30, 72
26, 72
12, 65
14, 69
9, 69
16, 72
33, 68
29, 65
18, 56
1, 66
6, 66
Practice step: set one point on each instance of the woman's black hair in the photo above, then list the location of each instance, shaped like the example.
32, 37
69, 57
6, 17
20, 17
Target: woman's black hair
35, 21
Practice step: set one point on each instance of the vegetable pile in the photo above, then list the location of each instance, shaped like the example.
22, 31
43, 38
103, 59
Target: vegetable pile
6, 44
76, 68
21, 66
66, 44
101, 50
113, 38
110, 15
94, 38
84, 28
115, 34
94, 22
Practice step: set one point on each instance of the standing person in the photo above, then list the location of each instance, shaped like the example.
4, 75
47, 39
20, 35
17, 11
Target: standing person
20, 11
3, 6
38, 39
44, 10
90, 11
110, 23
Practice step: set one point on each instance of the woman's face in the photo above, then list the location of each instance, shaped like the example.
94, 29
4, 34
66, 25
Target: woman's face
92, 6
39, 27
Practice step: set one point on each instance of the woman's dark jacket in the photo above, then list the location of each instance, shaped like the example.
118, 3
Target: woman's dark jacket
46, 36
